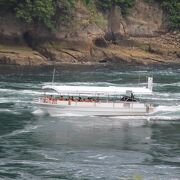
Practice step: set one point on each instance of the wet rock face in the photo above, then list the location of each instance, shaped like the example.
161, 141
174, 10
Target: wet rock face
71, 43
114, 21
145, 19
15, 32
6, 60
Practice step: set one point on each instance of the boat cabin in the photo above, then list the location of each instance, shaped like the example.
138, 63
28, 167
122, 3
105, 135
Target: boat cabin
95, 94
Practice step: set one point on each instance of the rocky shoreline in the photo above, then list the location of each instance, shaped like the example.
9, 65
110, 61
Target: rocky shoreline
162, 49
139, 38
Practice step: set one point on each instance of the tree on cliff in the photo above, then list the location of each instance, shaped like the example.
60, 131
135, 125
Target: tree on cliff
172, 7
108, 4
46, 12
52, 12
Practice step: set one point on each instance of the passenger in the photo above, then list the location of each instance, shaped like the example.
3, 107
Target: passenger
51, 98
45, 99
69, 101
79, 99
72, 98
90, 100
132, 95
61, 98
54, 101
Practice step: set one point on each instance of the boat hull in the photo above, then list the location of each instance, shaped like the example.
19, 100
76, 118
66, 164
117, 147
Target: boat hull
120, 109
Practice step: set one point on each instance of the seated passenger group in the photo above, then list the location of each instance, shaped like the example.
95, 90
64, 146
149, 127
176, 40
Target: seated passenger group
51, 99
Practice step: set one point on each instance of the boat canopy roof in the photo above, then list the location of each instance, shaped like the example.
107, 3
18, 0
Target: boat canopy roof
97, 90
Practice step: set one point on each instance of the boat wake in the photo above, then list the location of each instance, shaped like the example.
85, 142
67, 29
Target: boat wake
39, 112
166, 113
164, 118
168, 109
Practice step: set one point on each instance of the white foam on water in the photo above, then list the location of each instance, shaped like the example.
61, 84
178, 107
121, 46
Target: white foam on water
163, 95
6, 110
7, 90
45, 154
168, 108
8, 100
39, 112
30, 92
142, 71
21, 131
13, 91
130, 117
160, 99
168, 84
166, 113
99, 156
166, 167
164, 118
50, 157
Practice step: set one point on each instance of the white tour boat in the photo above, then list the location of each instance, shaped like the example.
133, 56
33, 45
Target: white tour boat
95, 100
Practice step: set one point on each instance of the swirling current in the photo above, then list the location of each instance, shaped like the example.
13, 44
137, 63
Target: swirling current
34, 145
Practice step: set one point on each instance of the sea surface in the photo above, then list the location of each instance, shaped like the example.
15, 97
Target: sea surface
34, 145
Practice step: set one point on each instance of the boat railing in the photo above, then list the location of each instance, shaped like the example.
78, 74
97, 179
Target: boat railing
100, 103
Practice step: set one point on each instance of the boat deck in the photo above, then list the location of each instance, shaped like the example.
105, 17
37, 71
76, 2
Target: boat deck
95, 108
100, 104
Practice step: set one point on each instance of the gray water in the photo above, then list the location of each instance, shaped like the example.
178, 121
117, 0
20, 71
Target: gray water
37, 146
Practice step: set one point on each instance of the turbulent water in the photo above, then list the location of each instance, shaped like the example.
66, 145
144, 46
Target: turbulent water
34, 145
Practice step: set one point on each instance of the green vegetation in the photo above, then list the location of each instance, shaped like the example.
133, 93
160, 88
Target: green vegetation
47, 12
95, 16
172, 7
125, 5
53, 12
